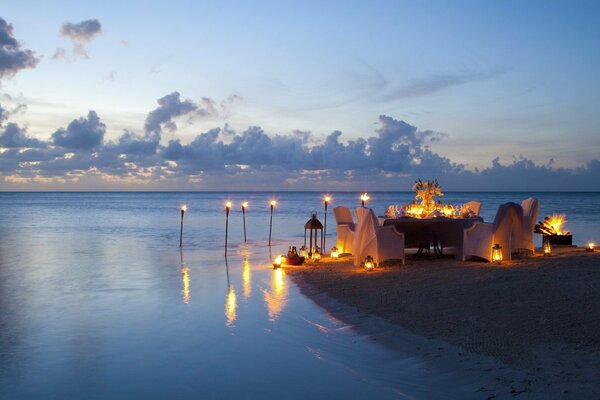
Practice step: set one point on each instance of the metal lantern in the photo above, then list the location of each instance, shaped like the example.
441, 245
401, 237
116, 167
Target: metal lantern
547, 246
590, 247
369, 263
315, 229
497, 254
334, 252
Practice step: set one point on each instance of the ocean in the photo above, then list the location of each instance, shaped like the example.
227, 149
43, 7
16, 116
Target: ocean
97, 300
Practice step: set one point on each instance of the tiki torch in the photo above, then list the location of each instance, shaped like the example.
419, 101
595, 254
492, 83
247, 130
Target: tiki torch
326, 201
183, 210
227, 208
364, 198
272, 204
244, 206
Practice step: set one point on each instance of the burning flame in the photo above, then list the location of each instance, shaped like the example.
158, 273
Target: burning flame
556, 221
364, 197
184, 208
273, 203
327, 199
245, 204
228, 204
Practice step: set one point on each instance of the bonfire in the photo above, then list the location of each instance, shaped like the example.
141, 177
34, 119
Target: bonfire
552, 225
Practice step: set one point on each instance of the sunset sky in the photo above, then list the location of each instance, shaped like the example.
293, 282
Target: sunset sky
299, 95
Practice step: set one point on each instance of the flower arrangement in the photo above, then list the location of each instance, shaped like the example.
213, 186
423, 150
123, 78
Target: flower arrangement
426, 192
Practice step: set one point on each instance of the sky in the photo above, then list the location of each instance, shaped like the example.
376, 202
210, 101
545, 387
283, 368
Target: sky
337, 95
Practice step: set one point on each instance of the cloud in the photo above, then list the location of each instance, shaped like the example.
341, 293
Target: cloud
391, 158
13, 58
80, 34
435, 83
82, 133
170, 107
12, 136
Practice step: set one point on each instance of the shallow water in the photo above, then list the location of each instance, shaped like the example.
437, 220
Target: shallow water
97, 301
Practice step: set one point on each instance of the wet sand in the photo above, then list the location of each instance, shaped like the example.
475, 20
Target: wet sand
528, 328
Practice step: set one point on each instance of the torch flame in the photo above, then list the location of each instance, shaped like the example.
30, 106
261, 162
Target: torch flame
327, 199
184, 208
273, 203
364, 197
228, 204
245, 204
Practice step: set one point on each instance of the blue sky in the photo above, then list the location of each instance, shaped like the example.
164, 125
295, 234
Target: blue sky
460, 90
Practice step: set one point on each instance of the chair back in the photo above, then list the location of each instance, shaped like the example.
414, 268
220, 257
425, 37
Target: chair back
474, 206
342, 215
531, 208
507, 226
363, 232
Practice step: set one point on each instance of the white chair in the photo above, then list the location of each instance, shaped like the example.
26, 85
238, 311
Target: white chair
479, 239
359, 231
474, 206
345, 230
523, 238
380, 242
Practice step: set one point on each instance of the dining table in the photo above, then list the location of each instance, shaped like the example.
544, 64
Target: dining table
440, 232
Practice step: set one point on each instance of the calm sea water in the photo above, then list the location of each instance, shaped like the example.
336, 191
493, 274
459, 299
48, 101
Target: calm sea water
97, 301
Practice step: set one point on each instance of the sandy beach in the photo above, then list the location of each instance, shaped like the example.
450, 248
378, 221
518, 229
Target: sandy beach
528, 328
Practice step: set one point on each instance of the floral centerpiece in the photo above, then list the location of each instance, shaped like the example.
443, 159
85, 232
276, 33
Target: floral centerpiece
426, 192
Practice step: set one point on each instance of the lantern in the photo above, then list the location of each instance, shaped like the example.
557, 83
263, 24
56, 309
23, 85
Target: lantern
303, 252
497, 254
546, 246
334, 252
315, 228
316, 255
369, 264
277, 262
590, 247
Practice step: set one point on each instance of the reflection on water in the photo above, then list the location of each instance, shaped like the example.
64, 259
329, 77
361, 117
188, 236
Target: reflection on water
185, 280
246, 278
231, 302
276, 298
230, 306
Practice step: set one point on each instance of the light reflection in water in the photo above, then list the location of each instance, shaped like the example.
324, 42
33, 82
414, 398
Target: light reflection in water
246, 278
185, 280
230, 306
276, 299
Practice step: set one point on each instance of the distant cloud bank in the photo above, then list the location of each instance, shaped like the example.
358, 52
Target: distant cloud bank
222, 158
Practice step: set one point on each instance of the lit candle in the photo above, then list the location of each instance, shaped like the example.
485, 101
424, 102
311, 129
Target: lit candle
591, 247
364, 198
334, 252
277, 262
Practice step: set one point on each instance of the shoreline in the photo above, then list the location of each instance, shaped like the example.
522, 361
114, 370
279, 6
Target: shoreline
534, 334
